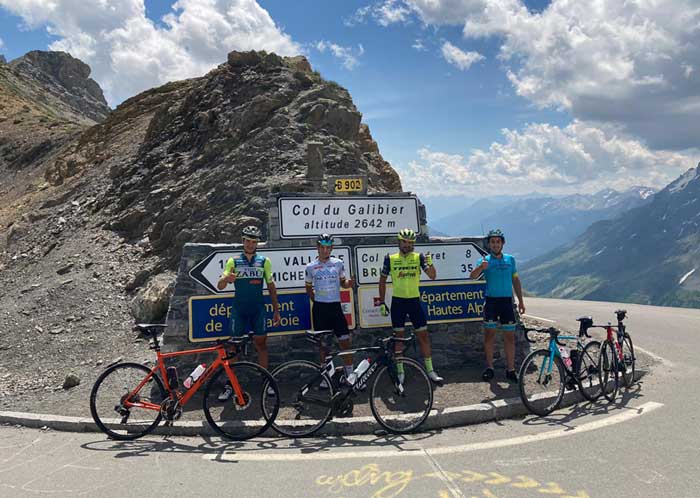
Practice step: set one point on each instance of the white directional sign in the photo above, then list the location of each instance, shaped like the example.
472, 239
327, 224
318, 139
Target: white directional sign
288, 266
452, 261
302, 217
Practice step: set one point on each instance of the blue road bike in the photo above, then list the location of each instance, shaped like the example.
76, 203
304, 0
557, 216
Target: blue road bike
547, 373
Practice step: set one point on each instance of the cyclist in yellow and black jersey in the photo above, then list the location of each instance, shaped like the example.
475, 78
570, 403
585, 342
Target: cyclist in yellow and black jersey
404, 268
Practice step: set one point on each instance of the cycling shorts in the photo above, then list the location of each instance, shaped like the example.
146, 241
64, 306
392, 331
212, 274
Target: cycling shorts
248, 319
402, 307
329, 316
498, 313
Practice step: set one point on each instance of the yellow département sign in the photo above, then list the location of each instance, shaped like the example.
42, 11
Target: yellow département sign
349, 185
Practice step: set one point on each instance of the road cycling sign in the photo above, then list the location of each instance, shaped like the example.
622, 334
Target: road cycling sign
306, 217
288, 266
452, 260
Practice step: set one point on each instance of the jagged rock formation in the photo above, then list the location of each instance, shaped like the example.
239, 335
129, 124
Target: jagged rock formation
210, 150
648, 255
88, 224
46, 100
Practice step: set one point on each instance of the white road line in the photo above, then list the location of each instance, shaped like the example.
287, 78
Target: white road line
666, 362
539, 318
631, 413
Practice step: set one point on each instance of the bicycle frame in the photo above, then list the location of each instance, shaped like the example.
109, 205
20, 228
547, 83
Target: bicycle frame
221, 360
554, 352
383, 358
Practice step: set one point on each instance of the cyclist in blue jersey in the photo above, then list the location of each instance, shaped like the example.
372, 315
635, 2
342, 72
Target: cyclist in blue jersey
249, 271
501, 275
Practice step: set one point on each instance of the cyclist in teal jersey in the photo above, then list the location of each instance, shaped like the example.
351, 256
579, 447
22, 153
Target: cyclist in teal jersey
501, 278
248, 271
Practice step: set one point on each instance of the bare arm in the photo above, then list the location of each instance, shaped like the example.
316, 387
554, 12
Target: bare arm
272, 288
517, 286
476, 272
310, 291
431, 272
382, 288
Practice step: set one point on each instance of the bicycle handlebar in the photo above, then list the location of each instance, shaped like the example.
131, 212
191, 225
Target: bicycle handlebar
553, 334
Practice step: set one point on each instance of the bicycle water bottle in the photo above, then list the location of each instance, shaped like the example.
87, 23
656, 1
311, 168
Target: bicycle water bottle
361, 368
565, 356
196, 373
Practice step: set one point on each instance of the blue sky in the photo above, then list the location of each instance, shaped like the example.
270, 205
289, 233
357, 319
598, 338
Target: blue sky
466, 98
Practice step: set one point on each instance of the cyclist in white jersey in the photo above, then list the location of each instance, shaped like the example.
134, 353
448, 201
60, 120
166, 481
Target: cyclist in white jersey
325, 275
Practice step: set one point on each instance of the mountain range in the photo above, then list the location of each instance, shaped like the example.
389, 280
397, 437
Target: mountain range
534, 225
648, 255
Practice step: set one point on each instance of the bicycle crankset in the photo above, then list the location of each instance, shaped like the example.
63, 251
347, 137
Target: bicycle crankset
171, 410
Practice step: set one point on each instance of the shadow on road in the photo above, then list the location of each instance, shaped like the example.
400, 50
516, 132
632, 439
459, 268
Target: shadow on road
563, 418
165, 444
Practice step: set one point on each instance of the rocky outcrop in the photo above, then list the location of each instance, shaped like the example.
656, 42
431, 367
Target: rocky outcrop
66, 79
94, 215
216, 147
46, 101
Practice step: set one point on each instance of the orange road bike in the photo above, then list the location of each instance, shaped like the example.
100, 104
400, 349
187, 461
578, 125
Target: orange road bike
129, 400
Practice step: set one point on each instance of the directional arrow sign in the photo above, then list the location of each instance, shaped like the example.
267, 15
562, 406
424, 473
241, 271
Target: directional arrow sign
452, 260
288, 266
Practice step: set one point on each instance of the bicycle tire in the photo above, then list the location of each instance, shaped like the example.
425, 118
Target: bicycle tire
608, 371
629, 361
541, 401
401, 411
236, 421
299, 416
587, 376
107, 396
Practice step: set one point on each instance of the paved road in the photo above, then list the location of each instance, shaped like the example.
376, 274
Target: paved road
648, 444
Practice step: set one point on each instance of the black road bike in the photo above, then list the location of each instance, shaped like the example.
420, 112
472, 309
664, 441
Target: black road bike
400, 391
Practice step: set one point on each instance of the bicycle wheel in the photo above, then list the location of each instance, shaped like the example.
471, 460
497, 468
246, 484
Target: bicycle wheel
628, 361
241, 419
401, 408
608, 371
120, 384
305, 398
541, 382
587, 372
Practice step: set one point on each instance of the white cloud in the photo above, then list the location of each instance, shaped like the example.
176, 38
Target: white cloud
419, 46
628, 63
2, 44
430, 12
450, 12
128, 53
384, 13
347, 55
579, 158
459, 58
632, 64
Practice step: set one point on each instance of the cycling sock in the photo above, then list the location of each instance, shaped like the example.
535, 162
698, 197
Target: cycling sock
428, 364
399, 368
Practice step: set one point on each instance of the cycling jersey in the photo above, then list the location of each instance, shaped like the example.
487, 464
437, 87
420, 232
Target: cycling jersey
326, 277
404, 272
249, 277
499, 275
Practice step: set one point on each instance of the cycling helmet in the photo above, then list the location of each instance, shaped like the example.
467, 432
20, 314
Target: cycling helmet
251, 232
324, 240
496, 232
407, 234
